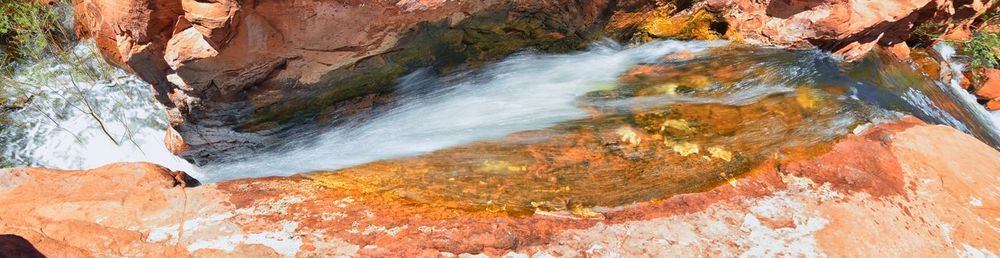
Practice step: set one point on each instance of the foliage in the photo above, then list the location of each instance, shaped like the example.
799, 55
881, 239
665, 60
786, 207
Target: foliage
928, 31
44, 72
29, 31
984, 49
4, 163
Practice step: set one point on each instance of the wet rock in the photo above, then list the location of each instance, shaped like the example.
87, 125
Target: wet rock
990, 88
848, 28
993, 105
931, 187
899, 50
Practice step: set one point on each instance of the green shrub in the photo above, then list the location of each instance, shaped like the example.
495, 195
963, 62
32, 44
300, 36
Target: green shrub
983, 49
30, 31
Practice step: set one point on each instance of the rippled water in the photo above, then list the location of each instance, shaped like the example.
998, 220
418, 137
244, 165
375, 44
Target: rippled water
625, 107
523, 92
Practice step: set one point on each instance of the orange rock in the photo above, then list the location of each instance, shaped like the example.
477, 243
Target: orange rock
912, 180
993, 105
926, 62
961, 34
848, 28
174, 142
965, 82
899, 50
990, 88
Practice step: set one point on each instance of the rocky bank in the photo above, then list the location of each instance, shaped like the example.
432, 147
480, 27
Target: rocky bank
894, 189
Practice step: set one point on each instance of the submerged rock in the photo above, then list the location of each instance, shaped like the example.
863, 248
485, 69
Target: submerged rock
930, 187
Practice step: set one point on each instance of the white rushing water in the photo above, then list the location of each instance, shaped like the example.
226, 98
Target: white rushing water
948, 53
56, 129
523, 92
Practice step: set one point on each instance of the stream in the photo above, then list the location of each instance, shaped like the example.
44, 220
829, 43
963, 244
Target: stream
707, 108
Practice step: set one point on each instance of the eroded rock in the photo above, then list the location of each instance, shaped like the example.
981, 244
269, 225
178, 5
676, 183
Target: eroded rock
849, 28
990, 87
930, 187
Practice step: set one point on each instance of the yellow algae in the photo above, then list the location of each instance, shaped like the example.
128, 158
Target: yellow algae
682, 148
720, 153
697, 25
807, 97
585, 212
665, 26
494, 208
500, 165
629, 136
662, 89
559, 190
734, 37
679, 124
697, 81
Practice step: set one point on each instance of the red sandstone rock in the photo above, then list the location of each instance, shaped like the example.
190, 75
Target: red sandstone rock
174, 141
990, 88
930, 187
900, 51
993, 105
849, 28
965, 82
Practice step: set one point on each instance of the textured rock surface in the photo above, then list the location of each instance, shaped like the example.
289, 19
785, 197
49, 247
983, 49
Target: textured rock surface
848, 27
896, 189
990, 88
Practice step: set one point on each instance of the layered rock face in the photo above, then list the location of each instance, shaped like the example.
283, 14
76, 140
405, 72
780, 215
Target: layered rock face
236, 75
894, 189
